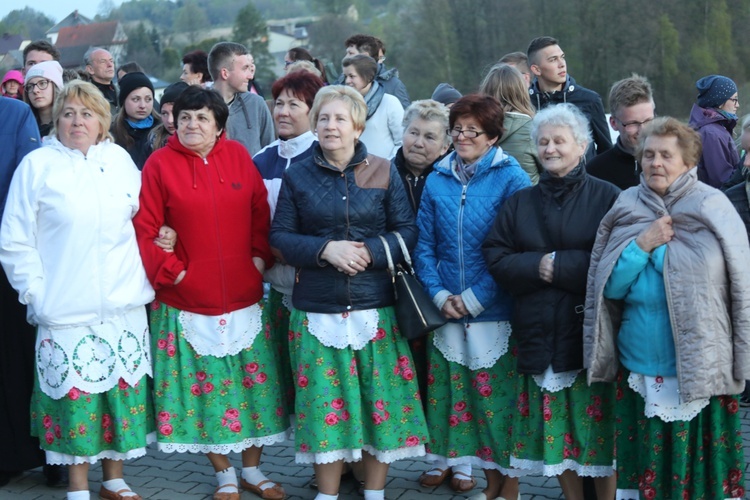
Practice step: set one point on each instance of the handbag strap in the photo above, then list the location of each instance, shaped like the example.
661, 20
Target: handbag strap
391, 267
404, 250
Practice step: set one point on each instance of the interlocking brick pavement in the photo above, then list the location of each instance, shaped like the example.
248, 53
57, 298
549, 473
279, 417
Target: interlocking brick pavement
186, 476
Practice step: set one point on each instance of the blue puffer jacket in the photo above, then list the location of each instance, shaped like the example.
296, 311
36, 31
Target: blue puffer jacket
453, 222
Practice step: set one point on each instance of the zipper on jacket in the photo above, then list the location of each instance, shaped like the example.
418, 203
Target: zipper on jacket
460, 229
346, 237
675, 334
218, 241
98, 244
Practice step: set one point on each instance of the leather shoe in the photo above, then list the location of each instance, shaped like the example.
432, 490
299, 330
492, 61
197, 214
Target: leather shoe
225, 495
275, 492
106, 494
460, 485
427, 480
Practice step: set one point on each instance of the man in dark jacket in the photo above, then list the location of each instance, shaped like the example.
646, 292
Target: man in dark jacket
553, 85
387, 78
632, 106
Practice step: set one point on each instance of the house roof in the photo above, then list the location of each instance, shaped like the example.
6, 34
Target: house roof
89, 34
10, 42
72, 19
72, 57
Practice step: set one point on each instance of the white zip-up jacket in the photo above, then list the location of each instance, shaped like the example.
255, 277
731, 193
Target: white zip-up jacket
67, 242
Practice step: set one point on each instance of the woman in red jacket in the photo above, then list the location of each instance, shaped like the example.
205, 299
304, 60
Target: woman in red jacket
216, 380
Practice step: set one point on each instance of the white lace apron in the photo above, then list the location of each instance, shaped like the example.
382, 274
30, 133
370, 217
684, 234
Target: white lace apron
341, 330
474, 345
554, 382
222, 335
662, 398
94, 358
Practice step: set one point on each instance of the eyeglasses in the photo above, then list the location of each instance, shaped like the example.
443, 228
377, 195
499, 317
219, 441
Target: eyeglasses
287, 63
633, 126
42, 84
735, 101
469, 134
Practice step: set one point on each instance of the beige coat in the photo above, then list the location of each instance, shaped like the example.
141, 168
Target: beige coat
707, 282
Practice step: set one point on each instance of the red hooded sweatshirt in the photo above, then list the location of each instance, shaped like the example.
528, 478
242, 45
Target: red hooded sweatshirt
218, 207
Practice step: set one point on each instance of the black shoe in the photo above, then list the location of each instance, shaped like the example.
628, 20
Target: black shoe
57, 475
6, 476
745, 400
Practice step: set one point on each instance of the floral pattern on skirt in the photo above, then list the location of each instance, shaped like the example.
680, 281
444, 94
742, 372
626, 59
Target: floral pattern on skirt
105, 425
698, 459
569, 429
349, 401
276, 317
469, 412
211, 404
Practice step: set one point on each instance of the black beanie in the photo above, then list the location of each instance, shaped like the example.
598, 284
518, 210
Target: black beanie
172, 92
132, 81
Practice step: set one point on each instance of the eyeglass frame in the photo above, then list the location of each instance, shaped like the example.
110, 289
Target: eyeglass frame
458, 132
43, 83
630, 125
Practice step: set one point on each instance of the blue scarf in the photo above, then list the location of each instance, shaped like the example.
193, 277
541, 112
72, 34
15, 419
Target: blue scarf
147, 122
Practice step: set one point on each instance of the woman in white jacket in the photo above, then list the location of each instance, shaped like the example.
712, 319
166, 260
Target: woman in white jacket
68, 246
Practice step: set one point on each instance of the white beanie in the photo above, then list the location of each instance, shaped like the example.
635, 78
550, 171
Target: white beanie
51, 70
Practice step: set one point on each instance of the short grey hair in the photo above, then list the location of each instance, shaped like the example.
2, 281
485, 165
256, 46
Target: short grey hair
563, 115
87, 56
430, 111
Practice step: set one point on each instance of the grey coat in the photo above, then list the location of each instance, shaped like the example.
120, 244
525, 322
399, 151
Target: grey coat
707, 282
250, 122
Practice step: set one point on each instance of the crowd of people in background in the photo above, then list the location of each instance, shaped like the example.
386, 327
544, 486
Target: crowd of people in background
209, 271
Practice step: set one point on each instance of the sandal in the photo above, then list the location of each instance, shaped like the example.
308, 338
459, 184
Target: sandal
460, 485
427, 480
226, 495
106, 494
275, 492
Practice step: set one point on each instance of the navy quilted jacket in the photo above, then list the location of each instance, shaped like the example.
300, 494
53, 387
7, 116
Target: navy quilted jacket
319, 203
453, 222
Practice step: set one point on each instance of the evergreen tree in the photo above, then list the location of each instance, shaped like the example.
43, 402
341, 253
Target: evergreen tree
251, 31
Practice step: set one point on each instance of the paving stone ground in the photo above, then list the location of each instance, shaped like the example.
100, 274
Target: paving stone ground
178, 476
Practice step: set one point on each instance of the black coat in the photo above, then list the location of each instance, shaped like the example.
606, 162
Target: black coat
319, 203
412, 184
738, 196
616, 166
558, 215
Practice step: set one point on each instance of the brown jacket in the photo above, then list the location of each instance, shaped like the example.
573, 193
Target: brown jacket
707, 282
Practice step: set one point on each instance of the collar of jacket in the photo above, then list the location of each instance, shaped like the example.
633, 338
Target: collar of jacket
661, 205
360, 155
403, 169
174, 143
570, 86
290, 148
445, 166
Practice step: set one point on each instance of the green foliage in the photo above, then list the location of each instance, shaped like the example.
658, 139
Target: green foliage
327, 37
141, 49
250, 30
27, 22
159, 12
191, 20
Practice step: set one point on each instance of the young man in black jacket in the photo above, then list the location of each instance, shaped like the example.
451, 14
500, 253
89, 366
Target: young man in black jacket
632, 106
553, 85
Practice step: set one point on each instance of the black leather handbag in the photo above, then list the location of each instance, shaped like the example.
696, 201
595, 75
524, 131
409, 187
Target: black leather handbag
416, 314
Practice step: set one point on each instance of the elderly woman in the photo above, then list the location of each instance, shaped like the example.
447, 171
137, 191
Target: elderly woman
216, 377
356, 398
383, 129
162, 132
668, 318
68, 247
135, 120
506, 84
293, 97
195, 69
471, 381
538, 250
44, 81
714, 116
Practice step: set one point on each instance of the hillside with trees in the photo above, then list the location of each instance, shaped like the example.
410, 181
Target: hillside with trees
672, 42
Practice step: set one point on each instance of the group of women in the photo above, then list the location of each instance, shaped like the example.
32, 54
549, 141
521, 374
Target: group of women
572, 320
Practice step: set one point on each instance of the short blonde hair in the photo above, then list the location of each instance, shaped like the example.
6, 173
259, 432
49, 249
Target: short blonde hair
347, 95
301, 65
90, 97
429, 111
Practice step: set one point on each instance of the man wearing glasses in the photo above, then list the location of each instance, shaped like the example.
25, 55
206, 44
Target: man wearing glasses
632, 107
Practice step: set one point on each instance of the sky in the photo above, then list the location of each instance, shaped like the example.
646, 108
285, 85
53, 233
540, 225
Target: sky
56, 9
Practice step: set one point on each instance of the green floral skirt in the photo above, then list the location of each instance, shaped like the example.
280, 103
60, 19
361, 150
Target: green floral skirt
82, 427
469, 412
213, 404
349, 401
568, 429
276, 317
681, 460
